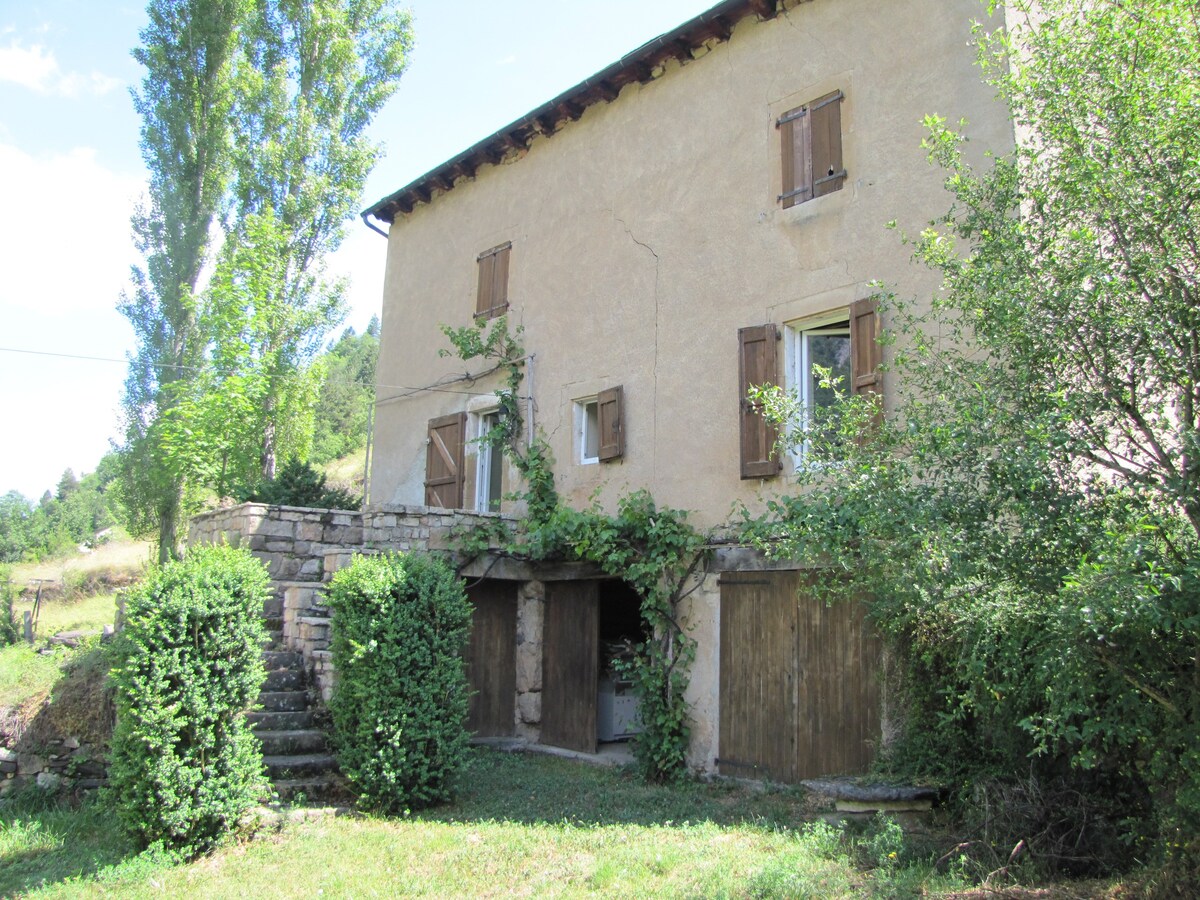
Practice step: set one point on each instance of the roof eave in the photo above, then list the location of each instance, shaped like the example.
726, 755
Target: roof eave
718, 22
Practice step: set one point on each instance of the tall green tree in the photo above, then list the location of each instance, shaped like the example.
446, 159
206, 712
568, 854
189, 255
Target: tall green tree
314, 75
185, 101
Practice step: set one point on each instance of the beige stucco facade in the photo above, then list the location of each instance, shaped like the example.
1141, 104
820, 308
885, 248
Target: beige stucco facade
645, 234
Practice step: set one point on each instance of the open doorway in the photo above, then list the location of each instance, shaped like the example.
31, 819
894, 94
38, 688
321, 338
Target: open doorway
620, 630
586, 624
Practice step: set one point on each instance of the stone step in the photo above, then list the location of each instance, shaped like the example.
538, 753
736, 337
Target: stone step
283, 680
283, 701
329, 786
294, 742
280, 721
283, 767
283, 659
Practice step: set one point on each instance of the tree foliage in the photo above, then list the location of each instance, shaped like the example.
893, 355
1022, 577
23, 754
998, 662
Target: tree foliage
185, 102
1026, 518
78, 511
254, 127
347, 393
400, 702
185, 765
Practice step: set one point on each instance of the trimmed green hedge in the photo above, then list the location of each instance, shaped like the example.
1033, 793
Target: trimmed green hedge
400, 699
184, 765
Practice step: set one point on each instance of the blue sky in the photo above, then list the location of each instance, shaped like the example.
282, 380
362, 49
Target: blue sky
71, 174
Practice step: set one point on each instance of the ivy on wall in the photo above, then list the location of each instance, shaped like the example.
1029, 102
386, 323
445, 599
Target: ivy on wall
652, 549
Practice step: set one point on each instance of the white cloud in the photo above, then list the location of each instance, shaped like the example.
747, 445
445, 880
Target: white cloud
37, 69
65, 238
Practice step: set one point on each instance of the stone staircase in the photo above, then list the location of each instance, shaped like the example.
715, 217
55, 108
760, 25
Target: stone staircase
295, 747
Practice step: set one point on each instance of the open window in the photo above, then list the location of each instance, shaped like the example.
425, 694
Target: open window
489, 463
599, 427
811, 144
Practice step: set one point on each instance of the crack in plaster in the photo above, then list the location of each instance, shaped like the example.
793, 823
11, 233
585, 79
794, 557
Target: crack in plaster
654, 367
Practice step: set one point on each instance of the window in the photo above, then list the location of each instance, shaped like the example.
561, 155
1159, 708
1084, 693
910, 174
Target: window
845, 341
492, 299
819, 344
599, 426
489, 465
811, 144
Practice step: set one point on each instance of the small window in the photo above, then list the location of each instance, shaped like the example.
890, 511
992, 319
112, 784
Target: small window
600, 426
587, 430
489, 465
492, 299
811, 145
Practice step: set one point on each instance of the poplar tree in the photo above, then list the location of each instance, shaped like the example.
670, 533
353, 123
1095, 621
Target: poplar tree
185, 101
315, 74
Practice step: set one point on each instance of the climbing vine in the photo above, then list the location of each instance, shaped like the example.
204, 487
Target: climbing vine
652, 549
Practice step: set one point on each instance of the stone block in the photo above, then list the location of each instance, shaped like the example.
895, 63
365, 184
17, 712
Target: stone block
310, 531
529, 667
276, 528
529, 708
310, 568
30, 764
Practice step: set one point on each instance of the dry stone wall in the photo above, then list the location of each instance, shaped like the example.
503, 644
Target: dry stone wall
304, 547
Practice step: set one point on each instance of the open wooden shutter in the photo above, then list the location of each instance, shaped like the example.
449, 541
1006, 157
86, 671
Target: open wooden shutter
866, 354
796, 143
756, 366
827, 172
492, 298
612, 428
444, 461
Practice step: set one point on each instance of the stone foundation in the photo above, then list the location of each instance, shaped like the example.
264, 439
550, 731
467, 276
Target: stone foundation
64, 764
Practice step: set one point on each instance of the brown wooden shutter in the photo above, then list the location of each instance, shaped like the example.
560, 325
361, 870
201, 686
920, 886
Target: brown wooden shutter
444, 461
795, 140
492, 297
827, 172
756, 366
866, 354
609, 414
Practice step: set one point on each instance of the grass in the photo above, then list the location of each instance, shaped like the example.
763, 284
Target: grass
117, 558
524, 826
347, 472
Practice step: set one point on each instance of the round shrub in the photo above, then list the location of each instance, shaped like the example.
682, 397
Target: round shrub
400, 699
184, 765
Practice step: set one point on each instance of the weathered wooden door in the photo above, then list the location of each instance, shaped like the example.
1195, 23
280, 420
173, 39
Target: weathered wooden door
799, 694
570, 665
491, 659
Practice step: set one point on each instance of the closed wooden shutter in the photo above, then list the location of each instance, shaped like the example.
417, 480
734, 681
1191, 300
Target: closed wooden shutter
796, 143
827, 172
866, 354
756, 367
444, 461
612, 428
492, 298
811, 150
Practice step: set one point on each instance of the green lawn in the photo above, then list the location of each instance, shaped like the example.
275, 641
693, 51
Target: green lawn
524, 826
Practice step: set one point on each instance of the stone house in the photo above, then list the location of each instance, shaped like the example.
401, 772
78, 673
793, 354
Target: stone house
706, 213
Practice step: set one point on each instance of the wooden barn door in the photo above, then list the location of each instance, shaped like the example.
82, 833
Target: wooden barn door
491, 659
570, 665
799, 697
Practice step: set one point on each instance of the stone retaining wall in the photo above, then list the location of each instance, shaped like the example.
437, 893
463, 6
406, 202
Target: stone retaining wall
63, 764
304, 547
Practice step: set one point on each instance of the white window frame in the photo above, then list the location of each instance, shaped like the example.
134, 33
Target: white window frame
481, 424
584, 433
799, 362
